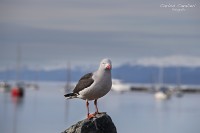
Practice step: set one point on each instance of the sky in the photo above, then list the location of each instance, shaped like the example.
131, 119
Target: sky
52, 33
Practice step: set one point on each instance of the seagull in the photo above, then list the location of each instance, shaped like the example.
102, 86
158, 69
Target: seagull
93, 86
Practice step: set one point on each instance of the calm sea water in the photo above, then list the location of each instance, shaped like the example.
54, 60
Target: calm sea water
46, 111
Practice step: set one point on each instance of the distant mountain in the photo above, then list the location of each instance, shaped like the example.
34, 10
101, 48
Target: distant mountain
126, 72
150, 74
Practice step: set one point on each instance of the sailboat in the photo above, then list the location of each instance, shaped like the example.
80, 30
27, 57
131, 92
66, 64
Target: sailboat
162, 92
120, 86
4, 86
178, 91
18, 90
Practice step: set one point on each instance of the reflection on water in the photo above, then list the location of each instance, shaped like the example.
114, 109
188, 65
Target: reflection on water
46, 110
17, 104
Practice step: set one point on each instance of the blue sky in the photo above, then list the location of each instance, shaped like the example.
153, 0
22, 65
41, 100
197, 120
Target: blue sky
53, 32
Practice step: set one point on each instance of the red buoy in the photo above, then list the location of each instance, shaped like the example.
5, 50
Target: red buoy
17, 92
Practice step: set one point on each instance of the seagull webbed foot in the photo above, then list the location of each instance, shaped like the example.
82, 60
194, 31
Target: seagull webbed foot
89, 116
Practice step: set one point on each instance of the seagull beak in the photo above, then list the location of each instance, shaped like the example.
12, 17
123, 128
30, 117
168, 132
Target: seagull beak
108, 67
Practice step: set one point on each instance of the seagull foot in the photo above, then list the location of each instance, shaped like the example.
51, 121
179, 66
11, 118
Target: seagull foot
89, 116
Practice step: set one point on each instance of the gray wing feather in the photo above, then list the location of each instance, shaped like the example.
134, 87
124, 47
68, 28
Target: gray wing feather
83, 83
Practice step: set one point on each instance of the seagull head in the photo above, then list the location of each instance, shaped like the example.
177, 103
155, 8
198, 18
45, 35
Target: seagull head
106, 64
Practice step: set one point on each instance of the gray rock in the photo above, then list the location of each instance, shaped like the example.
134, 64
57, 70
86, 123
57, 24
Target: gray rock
102, 123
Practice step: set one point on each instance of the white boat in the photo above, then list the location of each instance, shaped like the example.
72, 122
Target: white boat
4, 87
119, 86
163, 93
32, 86
160, 95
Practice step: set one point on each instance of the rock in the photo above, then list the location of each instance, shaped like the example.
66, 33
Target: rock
102, 123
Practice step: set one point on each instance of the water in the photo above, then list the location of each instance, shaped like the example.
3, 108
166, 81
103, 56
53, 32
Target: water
46, 111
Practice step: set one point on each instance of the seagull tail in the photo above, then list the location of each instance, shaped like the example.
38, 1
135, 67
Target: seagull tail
70, 95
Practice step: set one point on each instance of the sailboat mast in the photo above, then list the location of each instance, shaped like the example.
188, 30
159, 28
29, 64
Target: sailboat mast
160, 80
178, 76
68, 77
18, 63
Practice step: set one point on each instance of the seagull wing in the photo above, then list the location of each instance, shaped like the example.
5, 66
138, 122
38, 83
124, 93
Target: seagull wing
83, 83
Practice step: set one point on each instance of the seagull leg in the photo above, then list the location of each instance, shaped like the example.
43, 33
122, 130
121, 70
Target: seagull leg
88, 113
95, 103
